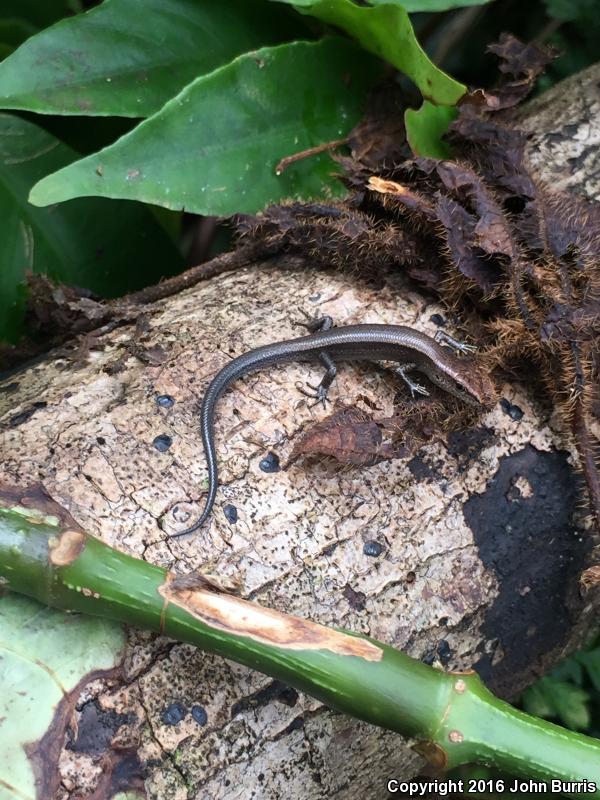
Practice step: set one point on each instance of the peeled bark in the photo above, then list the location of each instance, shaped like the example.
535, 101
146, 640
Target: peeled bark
478, 564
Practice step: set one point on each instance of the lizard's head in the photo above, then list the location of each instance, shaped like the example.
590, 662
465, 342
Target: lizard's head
465, 379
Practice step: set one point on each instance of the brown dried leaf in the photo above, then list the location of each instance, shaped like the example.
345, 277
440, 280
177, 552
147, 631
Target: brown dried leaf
351, 436
348, 435
523, 63
55, 309
495, 151
459, 227
491, 233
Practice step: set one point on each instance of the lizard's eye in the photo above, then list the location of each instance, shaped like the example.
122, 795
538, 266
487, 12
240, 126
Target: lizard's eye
453, 387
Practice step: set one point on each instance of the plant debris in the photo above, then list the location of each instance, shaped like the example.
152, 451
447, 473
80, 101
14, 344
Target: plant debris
351, 436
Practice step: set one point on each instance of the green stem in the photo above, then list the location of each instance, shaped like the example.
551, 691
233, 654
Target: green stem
456, 718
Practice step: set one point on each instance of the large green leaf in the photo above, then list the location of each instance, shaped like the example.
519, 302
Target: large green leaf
213, 149
431, 5
107, 247
386, 30
573, 10
128, 57
44, 655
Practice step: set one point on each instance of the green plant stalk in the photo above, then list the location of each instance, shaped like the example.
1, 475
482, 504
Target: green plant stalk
456, 719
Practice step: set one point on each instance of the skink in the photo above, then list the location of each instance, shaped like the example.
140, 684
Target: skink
407, 347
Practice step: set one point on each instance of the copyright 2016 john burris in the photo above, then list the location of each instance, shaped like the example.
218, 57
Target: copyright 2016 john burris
477, 786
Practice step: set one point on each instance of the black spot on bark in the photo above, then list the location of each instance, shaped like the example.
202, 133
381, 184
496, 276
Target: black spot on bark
162, 442
275, 691
165, 401
577, 162
466, 445
296, 724
199, 715
372, 548
270, 463
527, 539
174, 713
23, 416
444, 651
96, 729
514, 412
356, 600
420, 469
127, 773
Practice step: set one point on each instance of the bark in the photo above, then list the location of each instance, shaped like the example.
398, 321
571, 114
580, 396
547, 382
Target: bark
478, 563
565, 134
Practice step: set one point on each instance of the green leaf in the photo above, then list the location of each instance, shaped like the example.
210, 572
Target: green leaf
386, 30
425, 128
571, 705
44, 655
91, 243
550, 697
213, 149
128, 57
572, 10
430, 5
536, 701
591, 661
569, 671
